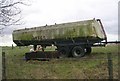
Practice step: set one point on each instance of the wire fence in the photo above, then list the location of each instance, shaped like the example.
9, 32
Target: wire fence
88, 67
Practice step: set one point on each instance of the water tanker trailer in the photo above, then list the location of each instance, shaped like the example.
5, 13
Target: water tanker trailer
71, 39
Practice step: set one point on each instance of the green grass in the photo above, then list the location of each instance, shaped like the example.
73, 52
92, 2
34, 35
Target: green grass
93, 66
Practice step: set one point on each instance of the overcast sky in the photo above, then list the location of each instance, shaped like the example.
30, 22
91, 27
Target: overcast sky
41, 12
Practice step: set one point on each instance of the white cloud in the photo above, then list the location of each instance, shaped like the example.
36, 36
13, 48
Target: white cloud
6, 40
111, 37
49, 11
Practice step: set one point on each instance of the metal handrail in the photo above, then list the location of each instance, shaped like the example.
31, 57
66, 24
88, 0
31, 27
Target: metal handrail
103, 29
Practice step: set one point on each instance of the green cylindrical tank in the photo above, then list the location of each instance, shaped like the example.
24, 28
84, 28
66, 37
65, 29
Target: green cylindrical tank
81, 29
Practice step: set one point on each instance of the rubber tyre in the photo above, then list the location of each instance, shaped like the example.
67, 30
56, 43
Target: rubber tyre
88, 50
63, 51
78, 52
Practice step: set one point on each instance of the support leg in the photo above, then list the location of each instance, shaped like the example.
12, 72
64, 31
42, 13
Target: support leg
35, 47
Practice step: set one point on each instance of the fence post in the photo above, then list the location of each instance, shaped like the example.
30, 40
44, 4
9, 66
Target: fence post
110, 65
12, 46
3, 66
118, 64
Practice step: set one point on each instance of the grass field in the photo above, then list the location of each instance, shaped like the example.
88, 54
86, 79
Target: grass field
93, 66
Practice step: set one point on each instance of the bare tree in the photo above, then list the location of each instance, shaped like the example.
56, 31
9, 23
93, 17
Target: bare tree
8, 11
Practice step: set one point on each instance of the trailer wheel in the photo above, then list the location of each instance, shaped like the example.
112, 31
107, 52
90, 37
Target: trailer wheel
88, 50
63, 51
78, 51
